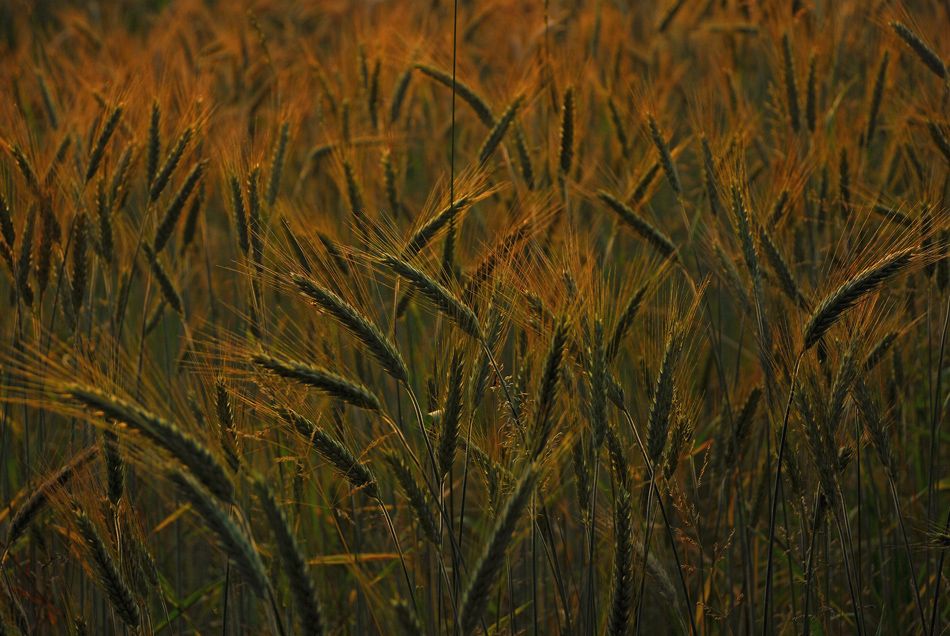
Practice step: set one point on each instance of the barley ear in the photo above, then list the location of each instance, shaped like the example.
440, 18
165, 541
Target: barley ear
835, 304
666, 157
240, 214
399, 94
524, 158
406, 618
232, 541
926, 54
115, 468
939, 138
654, 237
154, 144
310, 616
6, 223
431, 228
389, 179
877, 95
116, 591
566, 155
30, 509
451, 415
255, 217
444, 300
80, 262
417, 498
481, 108
667, 18
547, 390
662, 406
26, 257
875, 425
26, 169
338, 455
498, 131
171, 162
783, 272
277, 164
709, 178
621, 593
320, 379
192, 454
619, 129
378, 345
598, 384
477, 594
174, 210
580, 461
879, 350
811, 95
106, 234
165, 284
226, 426
791, 85
95, 158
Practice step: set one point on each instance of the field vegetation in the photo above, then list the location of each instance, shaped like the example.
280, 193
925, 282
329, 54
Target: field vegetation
415, 317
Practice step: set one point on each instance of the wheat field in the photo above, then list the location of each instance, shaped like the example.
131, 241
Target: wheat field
475, 317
